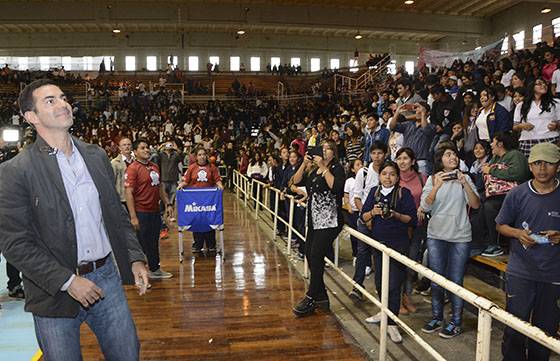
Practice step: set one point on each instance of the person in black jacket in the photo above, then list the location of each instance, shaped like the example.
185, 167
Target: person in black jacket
230, 160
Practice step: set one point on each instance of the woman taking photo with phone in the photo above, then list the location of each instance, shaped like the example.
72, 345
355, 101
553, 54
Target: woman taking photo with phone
446, 196
325, 189
391, 210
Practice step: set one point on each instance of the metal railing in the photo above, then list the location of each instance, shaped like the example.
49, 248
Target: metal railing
249, 189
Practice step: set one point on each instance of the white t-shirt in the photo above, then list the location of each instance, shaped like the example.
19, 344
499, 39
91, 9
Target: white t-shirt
540, 121
483, 133
556, 79
372, 180
506, 78
349, 188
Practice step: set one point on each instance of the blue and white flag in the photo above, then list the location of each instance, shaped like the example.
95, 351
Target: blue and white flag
200, 209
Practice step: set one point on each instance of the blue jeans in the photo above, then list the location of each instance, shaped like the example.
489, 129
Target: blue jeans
363, 256
449, 260
109, 319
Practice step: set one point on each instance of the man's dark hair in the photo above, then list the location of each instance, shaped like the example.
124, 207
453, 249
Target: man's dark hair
405, 82
377, 145
437, 89
137, 142
25, 100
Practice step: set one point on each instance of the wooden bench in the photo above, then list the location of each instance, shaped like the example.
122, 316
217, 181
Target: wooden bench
499, 263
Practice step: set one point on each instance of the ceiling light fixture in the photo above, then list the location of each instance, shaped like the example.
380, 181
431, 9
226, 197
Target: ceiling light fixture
116, 30
409, 2
546, 10
240, 32
358, 36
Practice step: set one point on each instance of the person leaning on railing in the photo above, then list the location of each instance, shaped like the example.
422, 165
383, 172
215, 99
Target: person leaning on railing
446, 196
530, 217
325, 188
390, 210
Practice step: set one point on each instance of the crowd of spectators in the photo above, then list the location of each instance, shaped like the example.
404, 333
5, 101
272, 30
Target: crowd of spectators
430, 157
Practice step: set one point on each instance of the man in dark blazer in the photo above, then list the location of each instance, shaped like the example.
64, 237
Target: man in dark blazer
62, 224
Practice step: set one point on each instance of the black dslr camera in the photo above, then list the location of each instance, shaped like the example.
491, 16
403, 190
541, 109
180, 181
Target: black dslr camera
385, 210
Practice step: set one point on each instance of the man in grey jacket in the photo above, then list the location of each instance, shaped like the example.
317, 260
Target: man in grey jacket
63, 226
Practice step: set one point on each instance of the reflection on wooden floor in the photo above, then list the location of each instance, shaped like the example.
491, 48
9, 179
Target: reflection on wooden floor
239, 310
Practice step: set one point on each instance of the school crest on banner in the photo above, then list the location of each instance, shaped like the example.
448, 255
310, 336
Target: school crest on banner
200, 209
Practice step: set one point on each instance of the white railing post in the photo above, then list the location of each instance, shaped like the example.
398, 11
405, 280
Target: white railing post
483, 336
246, 181
384, 305
276, 200
290, 226
257, 198
336, 249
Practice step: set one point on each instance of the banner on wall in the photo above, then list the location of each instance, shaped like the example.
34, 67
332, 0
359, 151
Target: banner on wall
438, 58
200, 209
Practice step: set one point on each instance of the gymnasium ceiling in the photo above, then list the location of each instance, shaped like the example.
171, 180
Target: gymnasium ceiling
423, 21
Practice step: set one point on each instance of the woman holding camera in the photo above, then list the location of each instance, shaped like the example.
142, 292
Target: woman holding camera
391, 210
446, 196
325, 188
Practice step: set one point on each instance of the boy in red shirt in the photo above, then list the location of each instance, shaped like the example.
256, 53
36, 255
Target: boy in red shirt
143, 191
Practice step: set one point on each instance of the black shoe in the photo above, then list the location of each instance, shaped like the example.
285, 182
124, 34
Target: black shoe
356, 296
17, 292
305, 307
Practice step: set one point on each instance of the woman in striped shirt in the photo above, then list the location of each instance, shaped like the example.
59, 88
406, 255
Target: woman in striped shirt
353, 144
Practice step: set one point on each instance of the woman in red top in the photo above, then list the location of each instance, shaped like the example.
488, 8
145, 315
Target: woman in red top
202, 174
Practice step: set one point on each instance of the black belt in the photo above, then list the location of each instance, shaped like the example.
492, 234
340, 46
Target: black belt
89, 267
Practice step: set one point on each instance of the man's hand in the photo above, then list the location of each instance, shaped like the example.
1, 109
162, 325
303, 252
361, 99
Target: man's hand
140, 273
84, 291
181, 185
168, 211
523, 235
553, 236
135, 223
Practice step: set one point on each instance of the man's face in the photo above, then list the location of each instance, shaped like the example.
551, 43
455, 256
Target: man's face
401, 90
51, 112
371, 123
377, 157
320, 127
125, 146
543, 171
142, 153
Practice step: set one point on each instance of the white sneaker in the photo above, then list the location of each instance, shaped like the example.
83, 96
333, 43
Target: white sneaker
159, 274
394, 333
368, 270
374, 319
